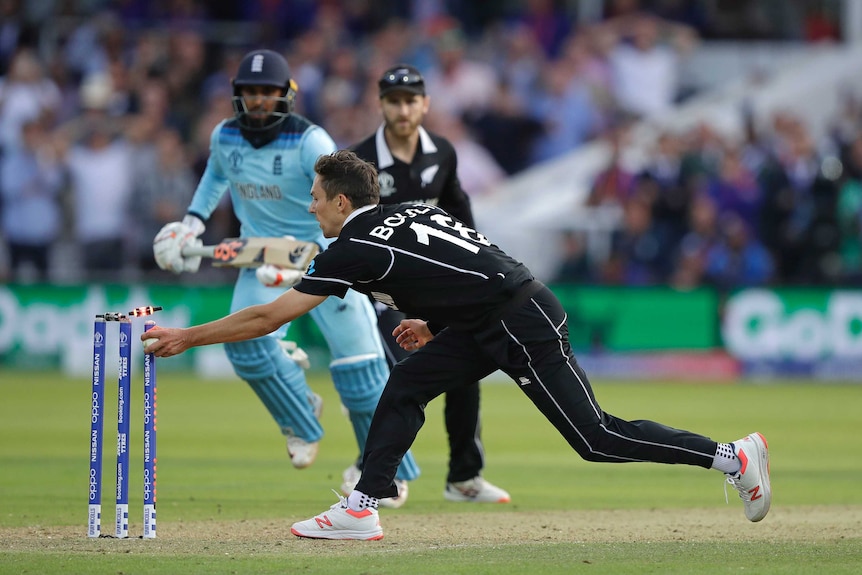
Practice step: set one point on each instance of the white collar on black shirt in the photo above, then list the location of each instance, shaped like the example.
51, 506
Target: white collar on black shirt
356, 212
384, 156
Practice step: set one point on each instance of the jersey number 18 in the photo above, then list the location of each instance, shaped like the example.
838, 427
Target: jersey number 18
467, 238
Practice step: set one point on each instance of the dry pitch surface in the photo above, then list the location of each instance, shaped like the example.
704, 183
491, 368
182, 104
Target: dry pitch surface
404, 532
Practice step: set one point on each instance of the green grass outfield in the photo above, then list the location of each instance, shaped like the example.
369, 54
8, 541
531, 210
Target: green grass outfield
227, 494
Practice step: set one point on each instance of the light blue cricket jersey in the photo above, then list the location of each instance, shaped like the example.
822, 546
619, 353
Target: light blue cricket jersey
270, 187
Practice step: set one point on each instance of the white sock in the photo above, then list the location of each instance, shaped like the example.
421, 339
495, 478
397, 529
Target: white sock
725, 459
359, 501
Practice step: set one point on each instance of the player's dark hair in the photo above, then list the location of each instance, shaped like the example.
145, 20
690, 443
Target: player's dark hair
343, 172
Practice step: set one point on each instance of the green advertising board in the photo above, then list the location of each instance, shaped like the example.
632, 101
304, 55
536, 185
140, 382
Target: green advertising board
51, 327
782, 330
640, 319
794, 325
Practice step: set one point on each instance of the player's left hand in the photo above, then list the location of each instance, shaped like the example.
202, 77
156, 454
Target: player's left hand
412, 334
272, 275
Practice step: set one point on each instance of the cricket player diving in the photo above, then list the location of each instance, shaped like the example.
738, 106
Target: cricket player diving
264, 156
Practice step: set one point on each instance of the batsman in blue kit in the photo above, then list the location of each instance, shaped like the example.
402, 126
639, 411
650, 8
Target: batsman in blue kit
264, 156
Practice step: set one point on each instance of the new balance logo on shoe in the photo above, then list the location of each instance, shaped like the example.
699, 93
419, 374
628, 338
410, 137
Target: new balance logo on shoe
755, 493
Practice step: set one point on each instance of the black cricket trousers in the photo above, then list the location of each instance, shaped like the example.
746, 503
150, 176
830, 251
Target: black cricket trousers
530, 344
460, 412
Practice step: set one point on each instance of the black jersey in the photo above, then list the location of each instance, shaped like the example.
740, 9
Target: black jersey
431, 178
418, 259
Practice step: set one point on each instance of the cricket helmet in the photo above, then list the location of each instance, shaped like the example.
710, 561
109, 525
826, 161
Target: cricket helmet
263, 68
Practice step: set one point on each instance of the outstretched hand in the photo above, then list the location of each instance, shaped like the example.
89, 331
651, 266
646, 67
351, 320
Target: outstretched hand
164, 341
412, 334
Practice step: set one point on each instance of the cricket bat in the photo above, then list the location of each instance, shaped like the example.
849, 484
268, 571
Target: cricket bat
254, 252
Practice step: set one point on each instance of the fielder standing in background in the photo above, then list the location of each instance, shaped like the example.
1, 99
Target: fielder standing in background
418, 166
264, 156
482, 311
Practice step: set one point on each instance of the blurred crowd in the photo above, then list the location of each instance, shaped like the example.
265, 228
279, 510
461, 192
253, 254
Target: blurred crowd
106, 107
774, 207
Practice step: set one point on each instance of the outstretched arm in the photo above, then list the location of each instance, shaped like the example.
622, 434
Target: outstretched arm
251, 322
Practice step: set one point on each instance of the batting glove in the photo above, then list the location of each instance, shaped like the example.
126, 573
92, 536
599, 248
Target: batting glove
272, 275
169, 243
295, 353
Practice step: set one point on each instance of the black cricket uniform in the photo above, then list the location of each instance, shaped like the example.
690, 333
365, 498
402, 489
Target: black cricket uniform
430, 178
488, 313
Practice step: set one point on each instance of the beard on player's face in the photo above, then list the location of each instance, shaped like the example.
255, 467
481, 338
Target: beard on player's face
259, 113
259, 103
403, 113
403, 121
403, 126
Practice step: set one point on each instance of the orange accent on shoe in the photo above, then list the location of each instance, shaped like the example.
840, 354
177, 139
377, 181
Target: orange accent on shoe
359, 514
323, 520
743, 461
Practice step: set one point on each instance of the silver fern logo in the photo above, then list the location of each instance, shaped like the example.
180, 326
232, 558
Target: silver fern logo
428, 174
387, 184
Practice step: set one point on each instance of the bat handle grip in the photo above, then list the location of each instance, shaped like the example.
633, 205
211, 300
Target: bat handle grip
203, 251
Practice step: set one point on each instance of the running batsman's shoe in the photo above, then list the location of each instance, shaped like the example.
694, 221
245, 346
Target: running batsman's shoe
351, 477
398, 500
475, 490
752, 479
341, 522
302, 453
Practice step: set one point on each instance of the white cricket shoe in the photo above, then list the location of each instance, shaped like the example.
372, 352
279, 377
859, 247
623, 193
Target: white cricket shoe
752, 479
475, 490
351, 477
341, 522
303, 453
